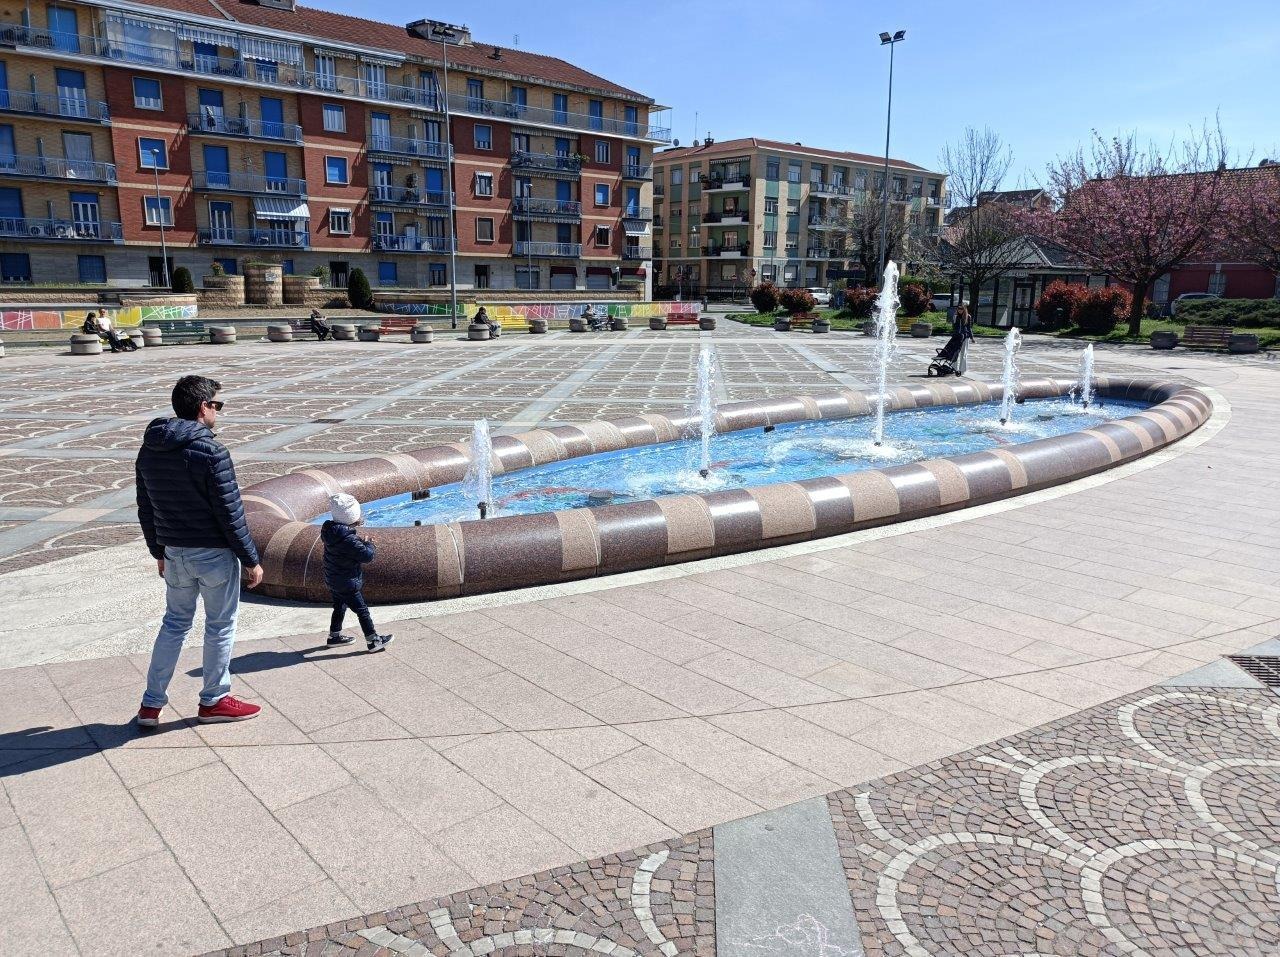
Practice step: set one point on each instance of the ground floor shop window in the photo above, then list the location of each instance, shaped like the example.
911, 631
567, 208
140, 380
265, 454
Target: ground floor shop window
92, 268
15, 267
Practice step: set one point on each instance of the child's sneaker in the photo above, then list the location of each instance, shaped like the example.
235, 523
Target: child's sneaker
377, 642
337, 638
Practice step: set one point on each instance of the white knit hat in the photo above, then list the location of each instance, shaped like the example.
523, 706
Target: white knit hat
344, 508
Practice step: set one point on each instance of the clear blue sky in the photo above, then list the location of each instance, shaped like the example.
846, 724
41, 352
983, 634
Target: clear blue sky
1042, 74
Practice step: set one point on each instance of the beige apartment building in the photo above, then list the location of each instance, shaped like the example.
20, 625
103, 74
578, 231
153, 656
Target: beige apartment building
727, 215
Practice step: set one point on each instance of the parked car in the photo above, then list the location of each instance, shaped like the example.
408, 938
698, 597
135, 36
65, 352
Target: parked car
1190, 297
821, 297
941, 301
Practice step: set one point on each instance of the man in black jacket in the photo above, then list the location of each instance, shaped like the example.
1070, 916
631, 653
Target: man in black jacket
193, 521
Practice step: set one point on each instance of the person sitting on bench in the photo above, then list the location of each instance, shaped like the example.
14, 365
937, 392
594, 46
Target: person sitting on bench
482, 315
101, 327
320, 326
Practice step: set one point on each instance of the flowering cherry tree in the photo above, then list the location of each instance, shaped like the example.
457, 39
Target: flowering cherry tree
1255, 216
1138, 212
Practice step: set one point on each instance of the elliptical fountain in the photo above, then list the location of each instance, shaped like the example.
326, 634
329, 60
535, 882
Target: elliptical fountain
886, 331
1010, 378
478, 482
706, 407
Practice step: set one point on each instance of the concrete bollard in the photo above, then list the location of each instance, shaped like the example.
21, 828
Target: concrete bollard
538, 326
279, 332
421, 333
85, 345
152, 336
344, 330
369, 333
478, 331
222, 335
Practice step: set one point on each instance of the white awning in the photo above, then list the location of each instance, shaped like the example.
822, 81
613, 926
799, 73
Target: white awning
272, 51
280, 207
217, 38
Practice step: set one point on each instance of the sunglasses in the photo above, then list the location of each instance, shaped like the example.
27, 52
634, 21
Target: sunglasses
216, 403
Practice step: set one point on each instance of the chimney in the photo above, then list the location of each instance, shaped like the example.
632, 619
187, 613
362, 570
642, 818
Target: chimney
437, 30
496, 54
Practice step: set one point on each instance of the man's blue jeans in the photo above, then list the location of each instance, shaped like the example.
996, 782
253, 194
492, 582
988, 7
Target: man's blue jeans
191, 574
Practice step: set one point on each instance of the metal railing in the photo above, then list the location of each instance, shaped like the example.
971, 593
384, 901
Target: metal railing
637, 212
407, 196
816, 252
410, 244
832, 189
277, 238
546, 162
713, 219
553, 250
737, 249
60, 229
54, 104
221, 124
406, 146
637, 252
722, 181
248, 183
537, 206
538, 115
55, 167
659, 192
632, 171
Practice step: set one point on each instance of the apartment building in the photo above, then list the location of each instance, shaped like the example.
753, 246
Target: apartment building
730, 214
234, 130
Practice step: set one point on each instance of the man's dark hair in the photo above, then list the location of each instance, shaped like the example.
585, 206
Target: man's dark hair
191, 392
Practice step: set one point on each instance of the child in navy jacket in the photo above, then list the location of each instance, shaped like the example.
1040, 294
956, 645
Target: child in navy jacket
345, 555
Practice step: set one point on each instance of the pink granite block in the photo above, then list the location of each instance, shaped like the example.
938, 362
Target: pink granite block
735, 516
633, 535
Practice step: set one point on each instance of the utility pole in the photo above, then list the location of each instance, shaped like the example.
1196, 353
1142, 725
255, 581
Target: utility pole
445, 36
164, 249
890, 41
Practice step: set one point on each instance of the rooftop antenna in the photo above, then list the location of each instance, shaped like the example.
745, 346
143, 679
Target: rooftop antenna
695, 124
515, 41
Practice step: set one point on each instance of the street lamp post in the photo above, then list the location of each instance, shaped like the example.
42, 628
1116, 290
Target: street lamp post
890, 42
164, 249
444, 37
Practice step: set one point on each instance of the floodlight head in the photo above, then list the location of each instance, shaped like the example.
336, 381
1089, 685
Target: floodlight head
900, 35
885, 38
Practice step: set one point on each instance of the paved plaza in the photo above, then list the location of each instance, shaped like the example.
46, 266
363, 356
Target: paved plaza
1009, 730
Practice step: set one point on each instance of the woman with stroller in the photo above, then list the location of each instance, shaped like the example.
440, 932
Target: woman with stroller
952, 358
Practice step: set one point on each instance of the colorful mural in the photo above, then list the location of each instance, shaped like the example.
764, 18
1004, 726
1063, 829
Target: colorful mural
564, 311
14, 320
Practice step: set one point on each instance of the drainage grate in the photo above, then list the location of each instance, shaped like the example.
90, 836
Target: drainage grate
1266, 668
327, 421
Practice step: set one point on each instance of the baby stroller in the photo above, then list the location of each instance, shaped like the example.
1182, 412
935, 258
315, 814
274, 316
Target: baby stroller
948, 357
597, 323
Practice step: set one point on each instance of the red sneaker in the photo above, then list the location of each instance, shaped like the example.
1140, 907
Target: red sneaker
148, 717
228, 709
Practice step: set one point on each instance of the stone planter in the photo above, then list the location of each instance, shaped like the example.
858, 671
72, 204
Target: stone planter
152, 336
222, 291
921, 330
279, 332
1164, 340
344, 330
302, 290
369, 333
658, 323
84, 345
538, 326
478, 331
577, 324
618, 323
421, 333
707, 323
869, 328
1242, 343
782, 324
263, 284
138, 338
821, 325
222, 335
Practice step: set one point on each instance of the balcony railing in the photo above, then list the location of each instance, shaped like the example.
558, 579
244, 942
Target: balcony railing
632, 171
550, 250
271, 238
286, 75
209, 181
54, 167
815, 252
410, 244
637, 252
536, 206
405, 146
220, 124
737, 249
723, 218
716, 181
54, 104
637, 212
831, 189
407, 196
40, 230
826, 224
547, 163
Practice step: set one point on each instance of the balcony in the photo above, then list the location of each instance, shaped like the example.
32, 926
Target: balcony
548, 250
637, 252
637, 212
738, 218
541, 116
816, 252
265, 238
831, 190
721, 183
54, 106
59, 230
386, 195
210, 182
54, 167
735, 251
632, 171
412, 244
659, 192
219, 124
548, 164
404, 146
555, 210
826, 224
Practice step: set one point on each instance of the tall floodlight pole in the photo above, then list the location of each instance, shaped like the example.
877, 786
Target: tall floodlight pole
445, 36
890, 42
164, 250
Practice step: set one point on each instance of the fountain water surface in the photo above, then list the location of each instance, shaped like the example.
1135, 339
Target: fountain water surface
1010, 378
478, 483
886, 331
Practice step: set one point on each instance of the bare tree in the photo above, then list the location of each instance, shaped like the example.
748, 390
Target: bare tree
862, 222
983, 238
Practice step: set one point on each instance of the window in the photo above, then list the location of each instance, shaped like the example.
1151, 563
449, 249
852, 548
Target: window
326, 72
602, 236
770, 207
387, 274
770, 238
92, 268
768, 272
793, 242
793, 207
152, 154
482, 277
519, 98
793, 172
528, 277
677, 175
1217, 283
335, 118
286, 267
632, 115
475, 93
484, 184
436, 274
335, 170
375, 80
596, 109
561, 107
340, 222
146, 93
230, 266
483, 136
675, 244
602, 194
602, 151
728, 272
159, 210
15, 267
771, 167
484, 230
520, 142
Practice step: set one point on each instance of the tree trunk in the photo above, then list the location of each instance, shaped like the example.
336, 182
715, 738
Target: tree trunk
975, 293
1137, 307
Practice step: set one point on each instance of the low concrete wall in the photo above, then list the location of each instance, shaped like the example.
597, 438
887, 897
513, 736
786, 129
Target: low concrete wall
26, 318
438, 561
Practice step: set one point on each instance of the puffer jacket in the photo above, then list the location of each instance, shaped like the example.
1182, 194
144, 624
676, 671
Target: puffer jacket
345, 553
187, 491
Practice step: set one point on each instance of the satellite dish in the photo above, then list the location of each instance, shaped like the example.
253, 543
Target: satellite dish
675, 142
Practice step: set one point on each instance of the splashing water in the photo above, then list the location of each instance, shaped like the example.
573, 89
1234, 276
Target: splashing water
1010, 378
886, 330
706, 407
478, 482
1086, 376
807, 937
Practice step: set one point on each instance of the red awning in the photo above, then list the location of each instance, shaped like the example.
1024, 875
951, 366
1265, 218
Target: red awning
564, 271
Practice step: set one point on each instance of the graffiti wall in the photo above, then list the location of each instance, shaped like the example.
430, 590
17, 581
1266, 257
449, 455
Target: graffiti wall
564, 311
13, 320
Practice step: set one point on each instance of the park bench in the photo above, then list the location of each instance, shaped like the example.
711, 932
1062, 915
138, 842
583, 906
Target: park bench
394, 325
1206, 337
180, 330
